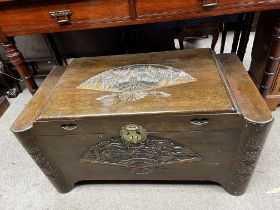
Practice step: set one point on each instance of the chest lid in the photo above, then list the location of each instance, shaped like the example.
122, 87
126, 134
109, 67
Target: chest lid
183, 81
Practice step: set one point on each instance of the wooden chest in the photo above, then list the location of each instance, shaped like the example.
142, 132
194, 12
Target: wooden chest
180, 115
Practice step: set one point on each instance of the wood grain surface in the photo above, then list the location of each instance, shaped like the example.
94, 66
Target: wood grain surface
157, 8
252, 104
30, 17
206, 95
227, 147
31, 111
83, 13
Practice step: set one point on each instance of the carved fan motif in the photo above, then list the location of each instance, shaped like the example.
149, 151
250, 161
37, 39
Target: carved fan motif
135, 82
140, 158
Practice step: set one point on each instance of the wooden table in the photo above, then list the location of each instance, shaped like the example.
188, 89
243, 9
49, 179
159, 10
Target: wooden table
22, 17
4, 104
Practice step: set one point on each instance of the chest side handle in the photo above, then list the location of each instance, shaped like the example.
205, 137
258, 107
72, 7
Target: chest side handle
69, 127
199, 122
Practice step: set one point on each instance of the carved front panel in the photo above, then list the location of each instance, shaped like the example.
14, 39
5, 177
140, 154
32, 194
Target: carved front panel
140, 158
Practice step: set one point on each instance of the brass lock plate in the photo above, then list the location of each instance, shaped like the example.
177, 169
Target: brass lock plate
133, 133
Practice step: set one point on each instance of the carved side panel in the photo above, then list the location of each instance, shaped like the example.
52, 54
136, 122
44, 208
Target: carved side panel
252, 141
251, 153
42, 162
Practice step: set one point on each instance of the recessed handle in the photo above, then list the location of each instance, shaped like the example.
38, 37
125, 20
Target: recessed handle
62, 17
69, 127
209, 3
199, 122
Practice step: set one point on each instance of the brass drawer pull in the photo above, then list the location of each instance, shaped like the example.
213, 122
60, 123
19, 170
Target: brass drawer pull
69, 127
199, 122
62, 17
209, 3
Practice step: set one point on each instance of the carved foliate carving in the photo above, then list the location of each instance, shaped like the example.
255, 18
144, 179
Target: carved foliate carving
250, 154
42, 162
140, 158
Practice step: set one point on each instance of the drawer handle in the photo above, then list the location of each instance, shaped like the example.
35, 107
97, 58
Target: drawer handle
62, 17
69, 127
209, 3
199, 122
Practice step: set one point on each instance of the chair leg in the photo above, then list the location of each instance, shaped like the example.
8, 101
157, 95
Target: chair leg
235, 41
248, 21
223, 41
181, 42
215, 35
237, 32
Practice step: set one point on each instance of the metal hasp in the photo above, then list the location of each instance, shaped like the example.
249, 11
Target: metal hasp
62, 17
133, 133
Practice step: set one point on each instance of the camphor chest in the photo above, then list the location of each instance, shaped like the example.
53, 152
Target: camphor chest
179, 115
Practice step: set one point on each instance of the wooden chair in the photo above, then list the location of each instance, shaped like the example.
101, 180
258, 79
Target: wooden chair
199, 31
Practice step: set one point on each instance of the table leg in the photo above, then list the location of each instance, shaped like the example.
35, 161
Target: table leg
270, 88
8, 85
4, 104
16, 58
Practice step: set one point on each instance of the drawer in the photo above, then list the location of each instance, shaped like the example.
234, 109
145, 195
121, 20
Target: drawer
152, 124
153, 8
63, 15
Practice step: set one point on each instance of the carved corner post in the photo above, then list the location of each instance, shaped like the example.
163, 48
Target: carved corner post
44, 161
270, 88
252, 140
17, 59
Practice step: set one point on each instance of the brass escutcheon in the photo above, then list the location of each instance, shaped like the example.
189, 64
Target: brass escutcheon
133, 133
